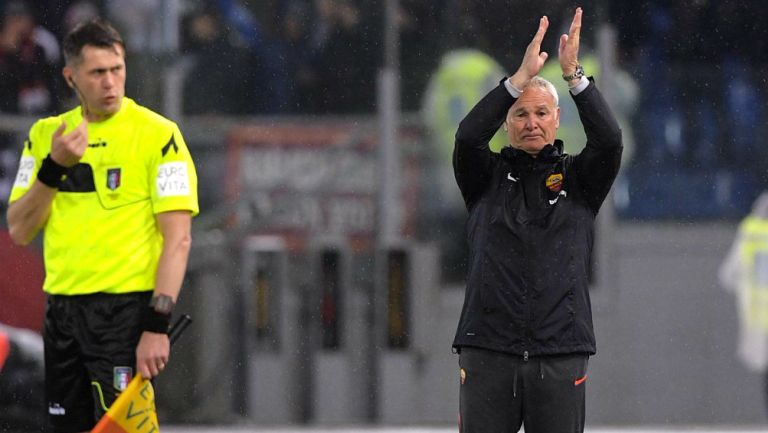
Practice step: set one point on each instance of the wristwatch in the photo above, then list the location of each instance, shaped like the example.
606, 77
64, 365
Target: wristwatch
577, 74
162, 304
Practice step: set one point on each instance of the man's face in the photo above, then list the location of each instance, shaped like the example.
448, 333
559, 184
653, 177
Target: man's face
99, 77
533, 120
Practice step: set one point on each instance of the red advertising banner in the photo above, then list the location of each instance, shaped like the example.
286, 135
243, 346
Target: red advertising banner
302, 180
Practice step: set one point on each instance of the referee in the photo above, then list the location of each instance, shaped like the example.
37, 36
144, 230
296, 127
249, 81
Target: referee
113, 188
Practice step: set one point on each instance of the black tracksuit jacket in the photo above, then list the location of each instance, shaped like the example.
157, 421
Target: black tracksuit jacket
530, 230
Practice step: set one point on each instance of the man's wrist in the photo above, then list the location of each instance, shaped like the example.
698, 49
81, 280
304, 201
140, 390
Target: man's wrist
514, 91
573, 83
573, 76
579, 87
156, 316
51, 173
518, 80
152, 321
162, 304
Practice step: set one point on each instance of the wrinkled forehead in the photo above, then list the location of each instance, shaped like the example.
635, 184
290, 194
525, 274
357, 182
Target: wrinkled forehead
534, 97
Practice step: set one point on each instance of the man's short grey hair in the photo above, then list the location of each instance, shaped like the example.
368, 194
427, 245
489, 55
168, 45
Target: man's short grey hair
545, 84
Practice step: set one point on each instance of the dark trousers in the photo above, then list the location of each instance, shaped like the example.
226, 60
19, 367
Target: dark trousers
500, 392
90, 355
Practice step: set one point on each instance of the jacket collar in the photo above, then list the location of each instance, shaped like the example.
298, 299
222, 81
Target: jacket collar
549, 153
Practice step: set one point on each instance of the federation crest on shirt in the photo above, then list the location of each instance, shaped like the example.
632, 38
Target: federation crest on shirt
113, 178
122, 376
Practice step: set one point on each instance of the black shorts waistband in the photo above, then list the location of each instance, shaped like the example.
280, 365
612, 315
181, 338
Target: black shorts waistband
98, 297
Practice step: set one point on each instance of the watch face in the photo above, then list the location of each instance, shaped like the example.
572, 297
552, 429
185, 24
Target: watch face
578, 73
162, 304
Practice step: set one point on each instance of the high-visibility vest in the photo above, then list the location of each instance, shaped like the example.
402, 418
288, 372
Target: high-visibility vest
462, 79
754, 260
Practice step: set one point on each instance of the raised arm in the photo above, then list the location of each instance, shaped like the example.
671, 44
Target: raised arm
28, 214
471, 155
598, 164
533, 59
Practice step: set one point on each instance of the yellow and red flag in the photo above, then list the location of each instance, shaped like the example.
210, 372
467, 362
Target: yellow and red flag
133, 411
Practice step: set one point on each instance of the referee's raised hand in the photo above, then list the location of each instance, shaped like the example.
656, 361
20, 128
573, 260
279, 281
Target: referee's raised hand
68, 149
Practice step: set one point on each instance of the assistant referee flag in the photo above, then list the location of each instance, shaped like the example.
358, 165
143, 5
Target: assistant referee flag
133, 411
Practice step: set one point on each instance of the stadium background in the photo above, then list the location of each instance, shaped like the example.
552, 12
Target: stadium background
328, 258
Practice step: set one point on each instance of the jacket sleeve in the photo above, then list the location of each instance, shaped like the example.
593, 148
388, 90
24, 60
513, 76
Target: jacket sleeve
598, 164
472, 157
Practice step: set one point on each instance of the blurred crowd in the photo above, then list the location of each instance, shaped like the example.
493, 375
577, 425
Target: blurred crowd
322, 56
266, 56
700, 66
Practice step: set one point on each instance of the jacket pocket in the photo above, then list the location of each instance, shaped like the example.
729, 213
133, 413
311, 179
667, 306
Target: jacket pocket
121, 184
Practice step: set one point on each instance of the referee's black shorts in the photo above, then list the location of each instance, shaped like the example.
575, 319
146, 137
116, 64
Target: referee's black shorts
90, 355
500, 392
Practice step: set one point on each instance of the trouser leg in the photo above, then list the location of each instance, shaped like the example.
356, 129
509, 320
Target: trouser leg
490, 396
554, 390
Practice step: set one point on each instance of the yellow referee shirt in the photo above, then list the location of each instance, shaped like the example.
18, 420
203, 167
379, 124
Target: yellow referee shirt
101, 235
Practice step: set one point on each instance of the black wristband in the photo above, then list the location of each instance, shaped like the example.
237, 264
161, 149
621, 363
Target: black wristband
51, 173
153, 321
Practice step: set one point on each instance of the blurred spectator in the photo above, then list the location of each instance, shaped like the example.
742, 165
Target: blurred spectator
302, 57
217, 81
28, 80
462, 78
77, 12
349, 56
141, 21
267, 84
479, 24
420, 35
744, 272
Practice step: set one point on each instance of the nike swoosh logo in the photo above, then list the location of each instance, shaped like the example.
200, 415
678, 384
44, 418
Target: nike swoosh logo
561, 194
512, 178
578, 382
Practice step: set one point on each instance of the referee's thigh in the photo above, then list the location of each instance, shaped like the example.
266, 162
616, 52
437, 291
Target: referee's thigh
67, 385
490, 400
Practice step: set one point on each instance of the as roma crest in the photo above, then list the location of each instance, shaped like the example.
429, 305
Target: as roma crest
113, 178
555, 182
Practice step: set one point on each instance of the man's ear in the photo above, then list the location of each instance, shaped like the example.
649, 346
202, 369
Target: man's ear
505, 126
557, 113
67, 73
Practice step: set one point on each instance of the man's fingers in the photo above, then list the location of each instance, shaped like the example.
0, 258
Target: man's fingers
152, 368
60, 130
563, 42
543, 56
575, 26
83, 127
144, 370
79, 135
539, 36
